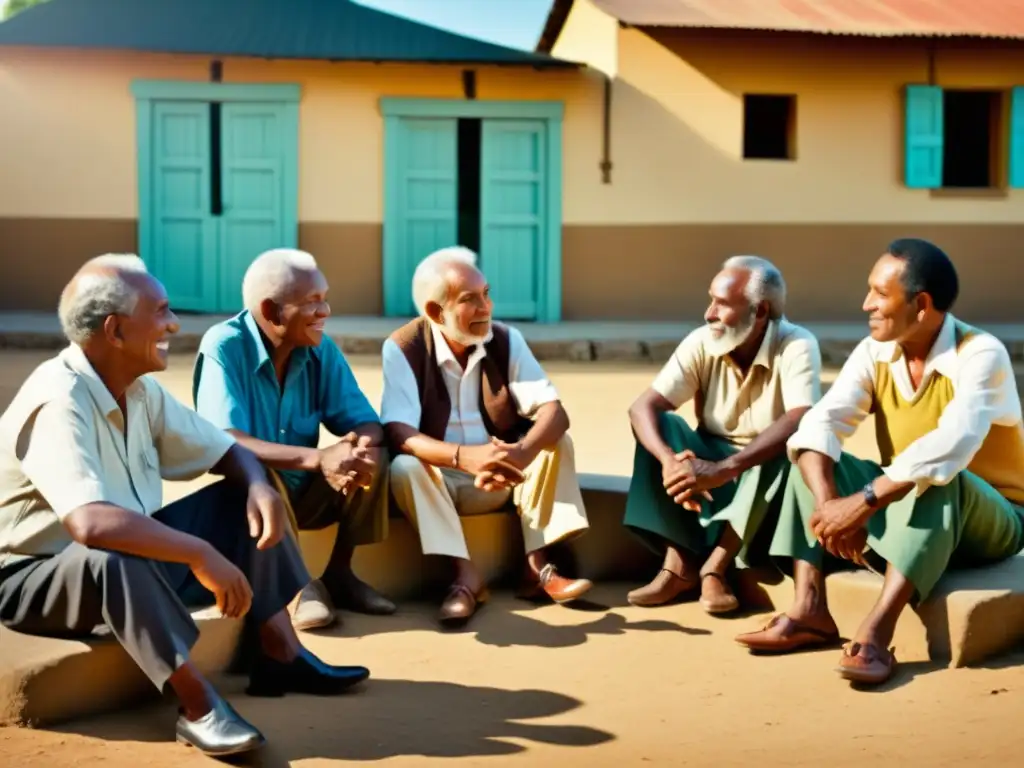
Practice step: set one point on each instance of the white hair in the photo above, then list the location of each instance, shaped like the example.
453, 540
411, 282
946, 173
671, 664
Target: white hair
87, 301
272, 275
765, 283
430, 281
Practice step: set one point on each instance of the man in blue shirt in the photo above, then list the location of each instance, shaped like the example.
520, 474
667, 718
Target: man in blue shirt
271, 378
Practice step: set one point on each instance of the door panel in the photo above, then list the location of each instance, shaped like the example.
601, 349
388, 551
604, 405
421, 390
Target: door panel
513, 188
423, 213
252, 160
183, 232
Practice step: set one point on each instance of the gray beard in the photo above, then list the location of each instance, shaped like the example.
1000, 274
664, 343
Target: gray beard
731, 338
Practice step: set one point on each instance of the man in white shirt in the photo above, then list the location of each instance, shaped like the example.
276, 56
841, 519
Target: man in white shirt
702, 496
473, 424
84, 541
949, 491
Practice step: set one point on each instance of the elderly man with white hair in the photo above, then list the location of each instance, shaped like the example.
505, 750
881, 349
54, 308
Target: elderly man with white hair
475, 424
702, 496
85, 540
271, 378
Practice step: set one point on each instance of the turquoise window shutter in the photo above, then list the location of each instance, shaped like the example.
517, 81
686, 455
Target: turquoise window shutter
924, 133
1017, 138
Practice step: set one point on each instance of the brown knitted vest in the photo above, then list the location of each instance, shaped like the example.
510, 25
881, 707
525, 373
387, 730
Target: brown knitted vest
497, 408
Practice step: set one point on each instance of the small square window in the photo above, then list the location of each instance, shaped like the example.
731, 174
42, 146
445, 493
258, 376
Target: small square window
769, 127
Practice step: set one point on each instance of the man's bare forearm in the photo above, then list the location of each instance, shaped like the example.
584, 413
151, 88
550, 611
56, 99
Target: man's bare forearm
644, 416
411, 441
279, 456
241, 466
372, 430
818, 471
551, 423
107, 526
767, 445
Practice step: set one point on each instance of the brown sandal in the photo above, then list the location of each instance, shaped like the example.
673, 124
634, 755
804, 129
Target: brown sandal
796, 636
723, 604
461, 603
866, 663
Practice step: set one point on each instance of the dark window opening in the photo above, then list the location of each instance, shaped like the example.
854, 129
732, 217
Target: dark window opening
768, 127
216, 191
970, 128
469, 184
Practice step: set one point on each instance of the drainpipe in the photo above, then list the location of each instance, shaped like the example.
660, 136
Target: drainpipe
606, 148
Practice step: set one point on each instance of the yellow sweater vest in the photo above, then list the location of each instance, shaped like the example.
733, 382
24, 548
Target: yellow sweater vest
898, 423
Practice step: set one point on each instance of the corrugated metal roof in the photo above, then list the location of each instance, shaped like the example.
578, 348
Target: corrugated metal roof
888, 18
335, 30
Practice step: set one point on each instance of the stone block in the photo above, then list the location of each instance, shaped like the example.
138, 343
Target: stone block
573, 351
618, 350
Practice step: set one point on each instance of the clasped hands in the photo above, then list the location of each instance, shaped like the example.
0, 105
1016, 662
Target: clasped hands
495, 466
687, 477
349, 464
839, 526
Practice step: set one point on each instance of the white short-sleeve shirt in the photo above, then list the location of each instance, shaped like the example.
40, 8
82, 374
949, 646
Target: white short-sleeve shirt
400, 402
64, 444
785, 374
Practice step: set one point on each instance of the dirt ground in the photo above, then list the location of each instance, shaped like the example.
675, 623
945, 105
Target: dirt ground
605, 683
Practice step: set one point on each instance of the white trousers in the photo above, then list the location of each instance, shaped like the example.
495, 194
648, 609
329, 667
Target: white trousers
549, 501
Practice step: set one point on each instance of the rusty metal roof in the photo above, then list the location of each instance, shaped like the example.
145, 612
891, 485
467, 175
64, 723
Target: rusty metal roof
876, 18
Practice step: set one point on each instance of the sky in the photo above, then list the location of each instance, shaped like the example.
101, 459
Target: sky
515, 23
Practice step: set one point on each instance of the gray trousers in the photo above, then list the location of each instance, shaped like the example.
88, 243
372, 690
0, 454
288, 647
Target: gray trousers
146, 603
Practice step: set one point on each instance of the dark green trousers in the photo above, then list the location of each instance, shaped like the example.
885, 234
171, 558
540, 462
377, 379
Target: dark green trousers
746, 504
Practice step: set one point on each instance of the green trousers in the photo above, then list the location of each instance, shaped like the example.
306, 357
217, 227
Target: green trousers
746, 504
964, 524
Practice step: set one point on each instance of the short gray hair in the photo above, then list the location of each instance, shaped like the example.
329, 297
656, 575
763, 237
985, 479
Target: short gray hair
765, 284
272, 275
430, 280
104, 289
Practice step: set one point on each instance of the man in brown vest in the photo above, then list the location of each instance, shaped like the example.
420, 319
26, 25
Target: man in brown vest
474, 423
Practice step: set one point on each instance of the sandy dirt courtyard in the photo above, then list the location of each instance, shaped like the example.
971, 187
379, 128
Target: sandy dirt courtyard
601, 684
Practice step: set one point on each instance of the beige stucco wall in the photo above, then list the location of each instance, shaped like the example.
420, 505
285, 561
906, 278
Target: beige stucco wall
677, 126
67, 125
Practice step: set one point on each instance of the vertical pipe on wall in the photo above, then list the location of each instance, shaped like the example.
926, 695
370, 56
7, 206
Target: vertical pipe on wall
606, 138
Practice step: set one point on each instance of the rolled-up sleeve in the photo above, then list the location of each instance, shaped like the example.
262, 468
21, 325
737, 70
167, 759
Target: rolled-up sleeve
679, 379
58, 456
400, 400
188, 444
529, 385
800, 372
981, 390
344, 405
835, 417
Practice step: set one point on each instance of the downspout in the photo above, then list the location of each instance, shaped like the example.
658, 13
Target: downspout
606, 139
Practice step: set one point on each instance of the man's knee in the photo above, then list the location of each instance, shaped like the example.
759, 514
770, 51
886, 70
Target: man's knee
404, 468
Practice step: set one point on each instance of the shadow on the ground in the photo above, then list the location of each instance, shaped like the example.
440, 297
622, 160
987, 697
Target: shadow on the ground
381, 719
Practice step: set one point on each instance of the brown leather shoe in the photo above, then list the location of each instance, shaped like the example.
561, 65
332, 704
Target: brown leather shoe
461, 603
664, 588
785, 635
550, 583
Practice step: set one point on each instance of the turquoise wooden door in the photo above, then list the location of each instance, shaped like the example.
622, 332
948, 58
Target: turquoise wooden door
253, 216
184, 235
513, 206
421, 203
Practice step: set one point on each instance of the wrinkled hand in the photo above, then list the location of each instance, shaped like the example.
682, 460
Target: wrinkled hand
225, 581
685, 476
517, 456
839, 526
268, 518
490, 466
350, 463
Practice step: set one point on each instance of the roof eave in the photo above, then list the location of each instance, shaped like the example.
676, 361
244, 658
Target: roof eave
554, 25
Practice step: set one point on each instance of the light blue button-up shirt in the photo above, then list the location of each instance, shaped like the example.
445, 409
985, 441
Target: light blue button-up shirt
234, 386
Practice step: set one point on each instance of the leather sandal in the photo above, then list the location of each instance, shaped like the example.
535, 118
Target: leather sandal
461, 603
795, 636
723, 603
665, 587
866, 663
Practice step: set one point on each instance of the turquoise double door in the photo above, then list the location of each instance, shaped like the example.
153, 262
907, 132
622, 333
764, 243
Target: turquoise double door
216, 193
507, 219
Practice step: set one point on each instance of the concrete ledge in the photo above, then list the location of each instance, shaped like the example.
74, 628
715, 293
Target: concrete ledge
46, 680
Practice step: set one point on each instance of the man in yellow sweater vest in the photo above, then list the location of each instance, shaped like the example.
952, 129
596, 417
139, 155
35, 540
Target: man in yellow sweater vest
949, 491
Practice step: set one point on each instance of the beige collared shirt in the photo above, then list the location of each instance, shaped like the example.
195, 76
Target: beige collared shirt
785, 374
64, 444
527, 383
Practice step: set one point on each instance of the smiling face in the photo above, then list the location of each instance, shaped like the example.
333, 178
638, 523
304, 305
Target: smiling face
143, 337
892, 314
730, 316
299, 319
465, 316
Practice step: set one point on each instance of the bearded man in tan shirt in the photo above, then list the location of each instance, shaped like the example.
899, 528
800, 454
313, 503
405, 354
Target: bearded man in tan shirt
701, 496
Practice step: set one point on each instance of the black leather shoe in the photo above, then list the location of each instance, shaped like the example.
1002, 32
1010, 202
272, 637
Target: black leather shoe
306, 674
219, 732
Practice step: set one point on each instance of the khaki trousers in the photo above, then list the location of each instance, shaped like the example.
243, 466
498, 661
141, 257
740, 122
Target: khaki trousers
549, 501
